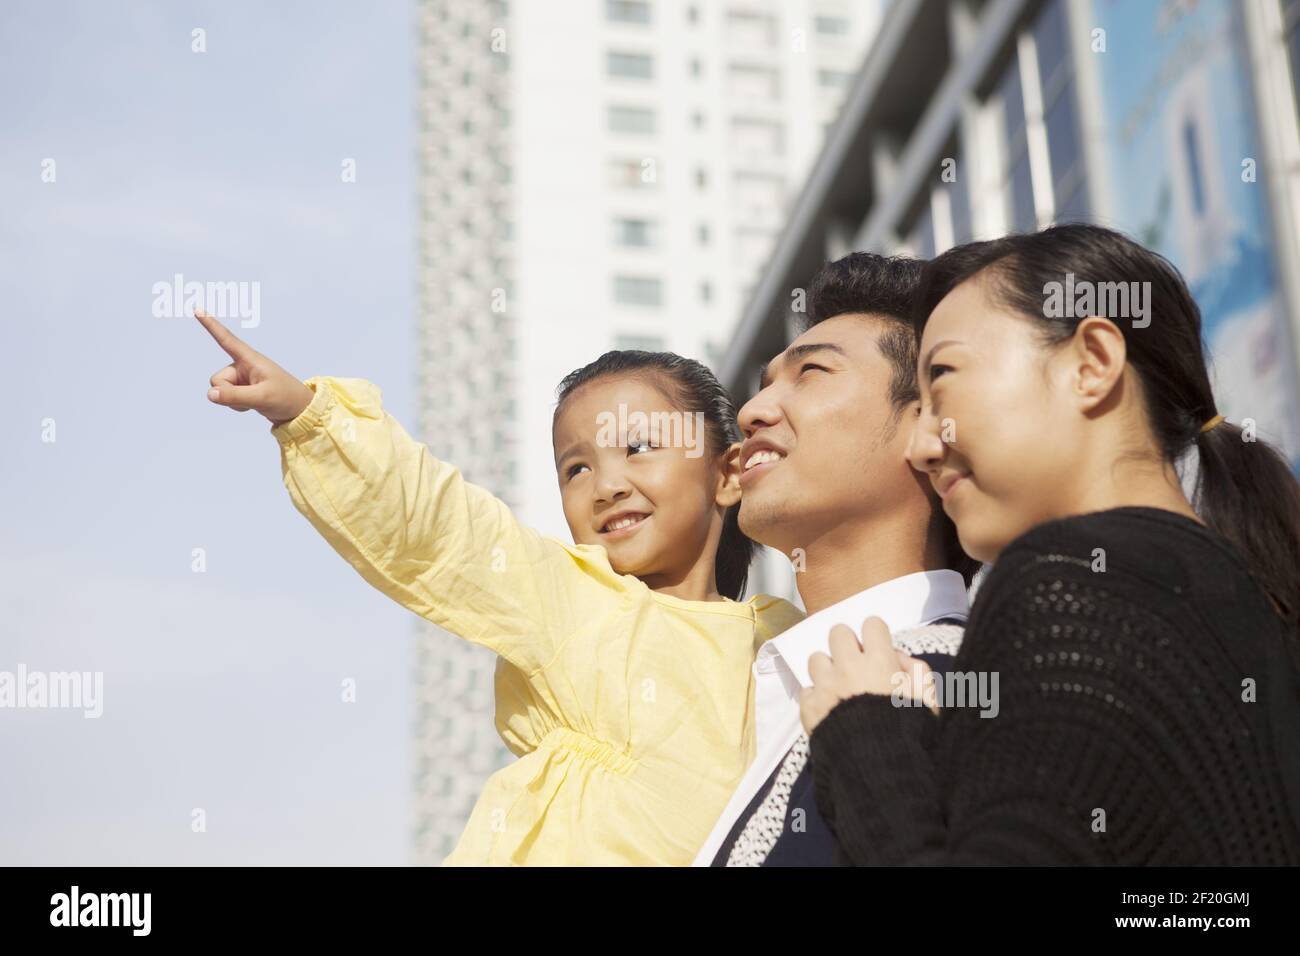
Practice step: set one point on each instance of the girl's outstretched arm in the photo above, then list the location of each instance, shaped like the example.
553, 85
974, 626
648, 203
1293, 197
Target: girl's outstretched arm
409, 523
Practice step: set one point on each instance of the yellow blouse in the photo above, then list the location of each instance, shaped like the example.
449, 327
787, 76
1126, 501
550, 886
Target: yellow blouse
630, 711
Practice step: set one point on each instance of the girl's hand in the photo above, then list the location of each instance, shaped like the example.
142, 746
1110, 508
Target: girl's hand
252, 380
872, 667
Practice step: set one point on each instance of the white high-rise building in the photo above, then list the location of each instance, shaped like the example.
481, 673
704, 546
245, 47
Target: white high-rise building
595, 174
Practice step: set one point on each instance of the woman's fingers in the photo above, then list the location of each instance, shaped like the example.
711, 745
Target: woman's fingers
843, 642
820, 670
877, 643
235, 347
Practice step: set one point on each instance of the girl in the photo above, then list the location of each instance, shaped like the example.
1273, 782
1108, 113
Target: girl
624, 681
1140, 652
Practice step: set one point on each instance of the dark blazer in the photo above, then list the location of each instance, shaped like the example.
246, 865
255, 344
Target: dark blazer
805, 838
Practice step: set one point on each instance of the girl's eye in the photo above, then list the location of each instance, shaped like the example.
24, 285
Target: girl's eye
640, 445
937, 370
574, 470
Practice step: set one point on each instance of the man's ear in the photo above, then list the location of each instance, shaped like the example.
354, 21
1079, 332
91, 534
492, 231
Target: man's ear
729, 483
1096, 355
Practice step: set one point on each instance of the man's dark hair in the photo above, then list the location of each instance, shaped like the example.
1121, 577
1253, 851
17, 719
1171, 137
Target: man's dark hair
885, 288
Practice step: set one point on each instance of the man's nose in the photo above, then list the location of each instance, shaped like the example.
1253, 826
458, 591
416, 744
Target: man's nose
761, 411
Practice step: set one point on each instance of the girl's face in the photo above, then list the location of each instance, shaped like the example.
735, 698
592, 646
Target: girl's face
642, 481
998, 433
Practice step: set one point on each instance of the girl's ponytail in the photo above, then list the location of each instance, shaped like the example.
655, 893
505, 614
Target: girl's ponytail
1246, 492
735, 552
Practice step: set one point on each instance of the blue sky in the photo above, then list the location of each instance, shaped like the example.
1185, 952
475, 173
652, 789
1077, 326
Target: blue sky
221, 689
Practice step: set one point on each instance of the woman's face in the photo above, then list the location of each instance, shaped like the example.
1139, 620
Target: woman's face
997, 434
652, 494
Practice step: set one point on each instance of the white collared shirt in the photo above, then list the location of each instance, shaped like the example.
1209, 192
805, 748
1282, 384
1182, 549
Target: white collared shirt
781, 671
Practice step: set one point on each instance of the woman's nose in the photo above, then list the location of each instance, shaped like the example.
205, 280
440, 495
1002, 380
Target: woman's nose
925, 448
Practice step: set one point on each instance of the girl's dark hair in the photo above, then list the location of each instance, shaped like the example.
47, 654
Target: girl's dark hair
1244, 490
693, 389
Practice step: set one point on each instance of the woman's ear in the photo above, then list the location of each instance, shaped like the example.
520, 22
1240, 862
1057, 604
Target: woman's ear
729, 478
1097, 355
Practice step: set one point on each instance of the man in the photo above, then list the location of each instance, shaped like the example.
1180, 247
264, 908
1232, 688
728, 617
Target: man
826, 481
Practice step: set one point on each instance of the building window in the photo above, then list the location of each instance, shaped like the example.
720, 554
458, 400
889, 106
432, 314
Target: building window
631, 173
959, 201
759, 198
631, 119
831, 26
636, 233
701, 178
643, 343
706, 292
627, 11
750, 28
1020, 186
1291, 34
757, 136
834, 79
638, 290
921, 237
753, 82
702, 231
697, 68
630, 66
1060, 111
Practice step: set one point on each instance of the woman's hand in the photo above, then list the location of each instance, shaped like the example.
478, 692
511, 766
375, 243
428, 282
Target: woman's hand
252, 380
872, 667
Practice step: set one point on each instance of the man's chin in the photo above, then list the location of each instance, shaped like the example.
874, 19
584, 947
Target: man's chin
764, 521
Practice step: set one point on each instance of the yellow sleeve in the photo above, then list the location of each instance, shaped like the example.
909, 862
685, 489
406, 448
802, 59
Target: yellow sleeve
415, 529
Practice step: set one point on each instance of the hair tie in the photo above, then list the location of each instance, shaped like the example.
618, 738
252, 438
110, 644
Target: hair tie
1211, 423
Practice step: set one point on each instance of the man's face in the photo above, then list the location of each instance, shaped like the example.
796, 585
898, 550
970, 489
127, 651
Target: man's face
823, 445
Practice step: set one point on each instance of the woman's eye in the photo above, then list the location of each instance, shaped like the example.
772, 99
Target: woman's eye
937, 370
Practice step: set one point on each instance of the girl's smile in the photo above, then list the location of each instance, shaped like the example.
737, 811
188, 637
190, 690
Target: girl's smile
624, 524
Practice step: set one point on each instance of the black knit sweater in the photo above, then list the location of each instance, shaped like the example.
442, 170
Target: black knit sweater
1126, 732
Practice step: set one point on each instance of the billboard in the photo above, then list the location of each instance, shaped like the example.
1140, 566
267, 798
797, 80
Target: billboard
1184, 178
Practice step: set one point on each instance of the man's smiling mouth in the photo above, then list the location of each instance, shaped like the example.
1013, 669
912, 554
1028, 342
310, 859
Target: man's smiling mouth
758, 464
762, 457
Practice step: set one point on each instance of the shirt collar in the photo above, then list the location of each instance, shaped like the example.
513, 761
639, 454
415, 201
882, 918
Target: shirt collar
909, 601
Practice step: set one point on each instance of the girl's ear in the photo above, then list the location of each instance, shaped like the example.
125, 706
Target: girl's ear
1097, 357
728, 492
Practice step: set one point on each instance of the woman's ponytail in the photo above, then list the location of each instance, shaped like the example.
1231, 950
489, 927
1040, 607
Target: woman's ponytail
1246, 492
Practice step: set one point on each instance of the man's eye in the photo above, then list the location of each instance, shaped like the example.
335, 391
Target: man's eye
807, 365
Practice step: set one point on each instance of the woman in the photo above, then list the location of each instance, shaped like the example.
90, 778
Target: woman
1142, 648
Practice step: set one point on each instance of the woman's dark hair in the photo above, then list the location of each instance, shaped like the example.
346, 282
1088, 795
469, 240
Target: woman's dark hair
693, 389
1244, 489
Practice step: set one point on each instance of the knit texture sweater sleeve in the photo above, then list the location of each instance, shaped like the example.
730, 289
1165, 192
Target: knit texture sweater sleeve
1141, 705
